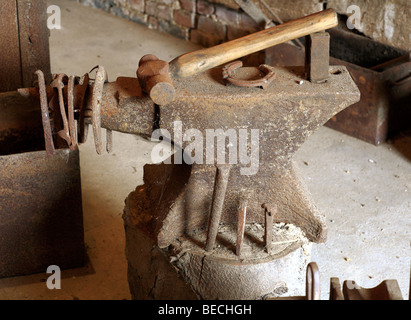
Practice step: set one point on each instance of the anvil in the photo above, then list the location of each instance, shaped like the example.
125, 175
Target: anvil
177, 197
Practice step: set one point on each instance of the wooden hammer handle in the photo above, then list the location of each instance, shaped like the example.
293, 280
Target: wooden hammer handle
197, 61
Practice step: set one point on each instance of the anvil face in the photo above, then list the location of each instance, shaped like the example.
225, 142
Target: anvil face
285, 114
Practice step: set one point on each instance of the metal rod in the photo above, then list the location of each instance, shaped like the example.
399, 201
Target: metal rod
109, 141
96, 106
270, 211
242, 213
83, 126
313, 290
220, 187
58, 83
48, 136
268, 235
70, 110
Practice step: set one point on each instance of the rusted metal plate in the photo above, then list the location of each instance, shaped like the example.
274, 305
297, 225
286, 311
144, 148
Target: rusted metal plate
384, 106
10, 67
34, 40
41, 221
241, 221
24, 43
20, 124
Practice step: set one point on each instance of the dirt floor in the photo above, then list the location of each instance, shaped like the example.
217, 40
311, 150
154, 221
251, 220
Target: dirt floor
363, 190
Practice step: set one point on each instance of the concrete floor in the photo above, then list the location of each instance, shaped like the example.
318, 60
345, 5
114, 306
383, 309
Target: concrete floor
363, 190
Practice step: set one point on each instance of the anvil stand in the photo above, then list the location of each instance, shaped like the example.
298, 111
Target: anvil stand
206, 231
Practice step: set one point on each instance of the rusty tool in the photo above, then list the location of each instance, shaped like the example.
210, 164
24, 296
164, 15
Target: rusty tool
58, 83
156, 76
269, 211
48, 137
220, 187
96, 107
153, 75
242, 213
66, 101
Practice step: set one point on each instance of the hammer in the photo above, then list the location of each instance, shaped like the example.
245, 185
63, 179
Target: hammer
156, 76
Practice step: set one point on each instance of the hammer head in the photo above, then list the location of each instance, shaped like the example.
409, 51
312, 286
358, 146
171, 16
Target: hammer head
153, 75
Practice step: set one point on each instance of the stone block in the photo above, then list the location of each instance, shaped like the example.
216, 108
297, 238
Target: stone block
385, 21
159, 10
175, 30
205, 7
137, 5
189, 5
227, 16
184, 18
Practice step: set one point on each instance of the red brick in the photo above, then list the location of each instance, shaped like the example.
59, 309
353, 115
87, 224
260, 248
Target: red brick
137, 5
189, 5
205, 7
209, 26
227, 16
159, 10
184, 18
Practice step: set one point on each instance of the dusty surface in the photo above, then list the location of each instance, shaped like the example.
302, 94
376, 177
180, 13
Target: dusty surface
363, 190
286, 238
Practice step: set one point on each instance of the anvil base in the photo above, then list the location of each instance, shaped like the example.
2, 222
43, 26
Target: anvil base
184, 271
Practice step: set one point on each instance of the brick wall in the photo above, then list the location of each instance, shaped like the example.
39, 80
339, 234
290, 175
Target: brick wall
199, 21
210, 22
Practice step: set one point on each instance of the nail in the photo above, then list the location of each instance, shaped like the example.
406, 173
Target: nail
270, 211
242, 212
109, 141
220, 187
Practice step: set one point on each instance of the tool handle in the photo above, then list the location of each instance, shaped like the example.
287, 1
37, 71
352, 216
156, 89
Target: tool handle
197, 61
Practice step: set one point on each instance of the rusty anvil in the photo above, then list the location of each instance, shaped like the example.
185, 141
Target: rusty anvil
285, 113
178, 200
